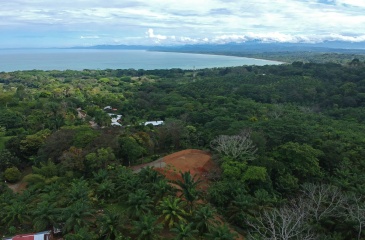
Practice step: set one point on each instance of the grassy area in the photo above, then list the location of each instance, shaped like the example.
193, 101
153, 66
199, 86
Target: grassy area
2, 142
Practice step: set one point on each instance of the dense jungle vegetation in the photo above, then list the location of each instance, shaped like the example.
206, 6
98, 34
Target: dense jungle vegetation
289, 141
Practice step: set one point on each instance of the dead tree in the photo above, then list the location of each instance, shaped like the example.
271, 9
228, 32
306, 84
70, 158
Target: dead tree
236, 146
285, 223
355, 211
323, 200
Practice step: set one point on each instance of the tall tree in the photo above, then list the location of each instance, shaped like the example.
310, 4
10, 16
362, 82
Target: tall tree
147, 228
189, 187
16, 213
110, 225
184, 231
204, 218
130, 150
139, 203
76, 216
299, 159
221, 232
172, 211
44, 215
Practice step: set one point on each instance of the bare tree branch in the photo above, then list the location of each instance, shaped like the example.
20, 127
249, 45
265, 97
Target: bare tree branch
323, 200
355, 211
285, 223
236, 146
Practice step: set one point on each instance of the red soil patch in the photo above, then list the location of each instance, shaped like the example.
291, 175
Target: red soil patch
198, 162
18, 187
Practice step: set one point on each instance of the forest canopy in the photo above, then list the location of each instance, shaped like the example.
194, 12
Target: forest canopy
288, 140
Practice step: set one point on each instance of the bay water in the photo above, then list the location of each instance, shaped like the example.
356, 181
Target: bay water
79, 59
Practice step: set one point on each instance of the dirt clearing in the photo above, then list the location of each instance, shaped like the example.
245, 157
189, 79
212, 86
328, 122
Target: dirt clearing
198, 162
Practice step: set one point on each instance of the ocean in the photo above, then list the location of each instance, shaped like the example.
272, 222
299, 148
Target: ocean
79, 59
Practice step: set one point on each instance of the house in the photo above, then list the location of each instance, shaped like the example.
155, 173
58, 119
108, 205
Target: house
108, 108
115, 119
32, 236
154, 123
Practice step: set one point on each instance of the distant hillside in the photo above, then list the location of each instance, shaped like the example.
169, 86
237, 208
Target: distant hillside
250, 47
330, 51
122, 47
338, 52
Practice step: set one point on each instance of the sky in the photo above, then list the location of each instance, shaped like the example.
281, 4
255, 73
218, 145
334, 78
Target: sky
68, 23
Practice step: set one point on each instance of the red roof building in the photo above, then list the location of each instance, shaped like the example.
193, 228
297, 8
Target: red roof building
32, 236
23, 237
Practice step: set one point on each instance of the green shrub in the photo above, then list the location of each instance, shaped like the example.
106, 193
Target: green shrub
12, 174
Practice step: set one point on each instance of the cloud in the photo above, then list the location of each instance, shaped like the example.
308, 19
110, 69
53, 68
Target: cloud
188, 21
157, 37
267, 37
171, 40
338, 37
89, 37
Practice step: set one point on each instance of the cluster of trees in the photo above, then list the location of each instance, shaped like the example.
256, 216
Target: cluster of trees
113, 203
288, 139
309, 56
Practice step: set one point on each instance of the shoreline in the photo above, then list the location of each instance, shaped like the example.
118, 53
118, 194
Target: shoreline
98, 59
218, 54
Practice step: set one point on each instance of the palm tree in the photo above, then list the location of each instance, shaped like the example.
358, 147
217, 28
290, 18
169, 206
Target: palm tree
110, 224
52, 194
188, 187
15, 214
100, 175
184, 232
76, 216
27, 196
160, 189
172, 211
221, 232
105, 189
139, 203
204, 219
149, 175
241, 208
125, 182
146, 228
81, 234
44, 215
4, 200
79, 191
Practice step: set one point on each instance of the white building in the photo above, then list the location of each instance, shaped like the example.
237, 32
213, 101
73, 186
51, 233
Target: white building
154, 123
115, 118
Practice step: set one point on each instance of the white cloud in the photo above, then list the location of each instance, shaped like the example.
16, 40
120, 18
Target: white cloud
251, 36
89, 37
338, 37
189, 21
157, 37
